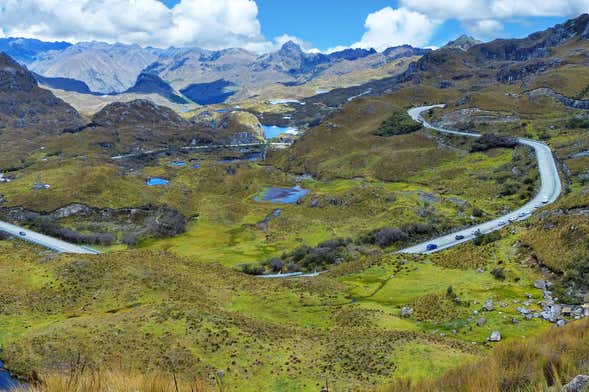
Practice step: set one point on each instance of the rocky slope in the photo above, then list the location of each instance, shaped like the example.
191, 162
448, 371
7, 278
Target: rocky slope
28, 113
115, 68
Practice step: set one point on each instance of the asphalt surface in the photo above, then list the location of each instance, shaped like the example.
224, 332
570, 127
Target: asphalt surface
43, 240
549, 191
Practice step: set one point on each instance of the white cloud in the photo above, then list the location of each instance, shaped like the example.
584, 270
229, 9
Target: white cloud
483, 28
390, 27
495, 9
210, 24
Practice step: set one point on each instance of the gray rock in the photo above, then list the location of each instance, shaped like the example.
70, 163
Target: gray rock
406, 311
577, 384
488, 306
482, 321
514, 321
561, 323
523, 310
540, 284
495, 337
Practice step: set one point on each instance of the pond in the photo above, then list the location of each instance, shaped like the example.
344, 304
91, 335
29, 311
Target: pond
178, 163
7, 382
272, 131
282, 195
157, 181
196, 166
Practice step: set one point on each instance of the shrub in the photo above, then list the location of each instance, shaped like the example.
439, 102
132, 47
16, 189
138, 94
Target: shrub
489, 141
252, 269
498, 273
166, 222
386, 236
484, 239
399, 123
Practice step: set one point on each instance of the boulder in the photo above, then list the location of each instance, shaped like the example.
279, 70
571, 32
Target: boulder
540, 284
488, 306
406, 311
482, 321
577, 384
495, 337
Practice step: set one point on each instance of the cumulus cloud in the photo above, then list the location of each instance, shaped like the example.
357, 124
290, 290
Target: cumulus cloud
212, 24
390, 27
483, 28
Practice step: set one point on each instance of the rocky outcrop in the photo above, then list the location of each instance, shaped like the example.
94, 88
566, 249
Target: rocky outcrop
464, 42
566, 101
239, 127
577, 384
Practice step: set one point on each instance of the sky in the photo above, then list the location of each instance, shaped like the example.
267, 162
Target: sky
264, 25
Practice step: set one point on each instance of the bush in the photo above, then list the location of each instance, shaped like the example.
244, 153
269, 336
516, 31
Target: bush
498, 273
489, 141
166, 222
399, 123
252, 269
484, 239
578, 122
276, 265
386, 236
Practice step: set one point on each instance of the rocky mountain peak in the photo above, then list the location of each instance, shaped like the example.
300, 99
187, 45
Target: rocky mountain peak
291, 50
464, 42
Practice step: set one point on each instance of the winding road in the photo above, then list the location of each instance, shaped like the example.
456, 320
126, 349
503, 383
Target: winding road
549, 191
43, 240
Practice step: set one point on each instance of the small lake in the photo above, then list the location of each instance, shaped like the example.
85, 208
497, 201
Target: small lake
272, 131
282, 195
7, 382
154, 181
178, 163
195, 166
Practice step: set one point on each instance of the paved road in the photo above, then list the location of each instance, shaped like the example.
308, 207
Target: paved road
549, 191
43, 240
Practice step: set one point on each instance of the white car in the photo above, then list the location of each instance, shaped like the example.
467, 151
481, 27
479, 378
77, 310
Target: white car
545, 200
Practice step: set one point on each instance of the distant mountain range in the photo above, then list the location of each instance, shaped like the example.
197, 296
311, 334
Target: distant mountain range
200, 75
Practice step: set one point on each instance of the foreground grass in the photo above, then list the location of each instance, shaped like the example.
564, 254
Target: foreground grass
118, 381
538, 364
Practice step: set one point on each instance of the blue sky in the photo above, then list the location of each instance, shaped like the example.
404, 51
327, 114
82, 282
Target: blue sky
331, 23
264, 25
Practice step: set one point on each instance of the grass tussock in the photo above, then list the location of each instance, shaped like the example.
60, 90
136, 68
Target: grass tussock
542, 363
117, 381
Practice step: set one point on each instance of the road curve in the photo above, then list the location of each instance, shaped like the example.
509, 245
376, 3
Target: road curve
43, 240
549, 191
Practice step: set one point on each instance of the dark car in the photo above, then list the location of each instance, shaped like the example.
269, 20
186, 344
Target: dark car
22, 233
431, 247
459, 237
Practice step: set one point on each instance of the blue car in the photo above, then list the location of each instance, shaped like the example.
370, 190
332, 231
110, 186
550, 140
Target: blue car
459, 237
431, 247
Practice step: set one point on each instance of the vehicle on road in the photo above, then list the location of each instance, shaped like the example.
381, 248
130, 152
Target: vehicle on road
431, 247
502, 223
545, 200
522, 214
477, 232
459, 237
512, 219
22, 233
